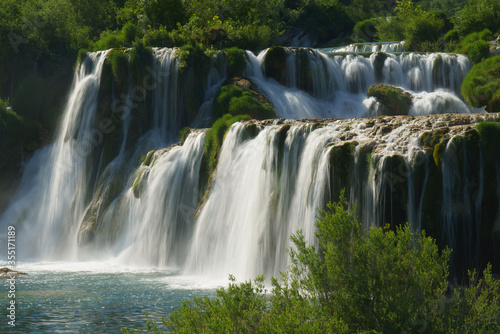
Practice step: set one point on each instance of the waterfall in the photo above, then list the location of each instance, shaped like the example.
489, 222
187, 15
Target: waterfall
327, 84
54, 187
114, 184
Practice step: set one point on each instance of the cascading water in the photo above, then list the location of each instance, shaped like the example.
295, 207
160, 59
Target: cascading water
54, 187
328, 84
271, 176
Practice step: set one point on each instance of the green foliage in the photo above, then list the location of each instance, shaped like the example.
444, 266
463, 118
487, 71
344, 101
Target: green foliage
109, 40
82, 53
214, 140
481, 86
161, 37
412, 24
323, 20
238, 101
478, 51
194, 56
130, 33
380, 280
475, 45
235, 61
366, 29
478, 15
140, 55
119, 65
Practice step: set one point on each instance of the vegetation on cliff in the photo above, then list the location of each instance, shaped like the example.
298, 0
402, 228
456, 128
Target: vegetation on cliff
481, 86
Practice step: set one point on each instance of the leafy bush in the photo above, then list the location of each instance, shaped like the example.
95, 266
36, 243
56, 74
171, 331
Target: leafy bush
109, 40
366, 29
161, 37
481, 86
475, 45
478, 15
412, 24
130, 32
478, 51
381, 281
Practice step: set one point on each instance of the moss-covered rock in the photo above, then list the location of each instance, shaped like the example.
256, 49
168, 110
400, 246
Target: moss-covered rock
342, 167
395, 100
481, 86
213, 144
240, 96
275, 64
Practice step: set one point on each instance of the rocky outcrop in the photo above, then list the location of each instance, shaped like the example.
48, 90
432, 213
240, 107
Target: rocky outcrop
241, 96
394, 100
8, 273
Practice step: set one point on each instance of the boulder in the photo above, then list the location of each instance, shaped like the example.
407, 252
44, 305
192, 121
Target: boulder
8, 273
395, 100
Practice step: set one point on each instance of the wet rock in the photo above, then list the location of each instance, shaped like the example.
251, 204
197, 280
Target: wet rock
395, 100
8, 273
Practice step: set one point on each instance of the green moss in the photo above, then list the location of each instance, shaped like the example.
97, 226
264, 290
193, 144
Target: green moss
184, 133
235, 61
431, 138
437, 153
213, 143
395, 100
275, 64
119, 65
82, 53
234, 100
481, 86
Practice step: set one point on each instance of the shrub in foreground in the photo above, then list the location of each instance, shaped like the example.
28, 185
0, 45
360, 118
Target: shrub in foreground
381, 281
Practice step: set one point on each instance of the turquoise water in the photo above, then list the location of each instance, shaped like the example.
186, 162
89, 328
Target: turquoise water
94, 297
